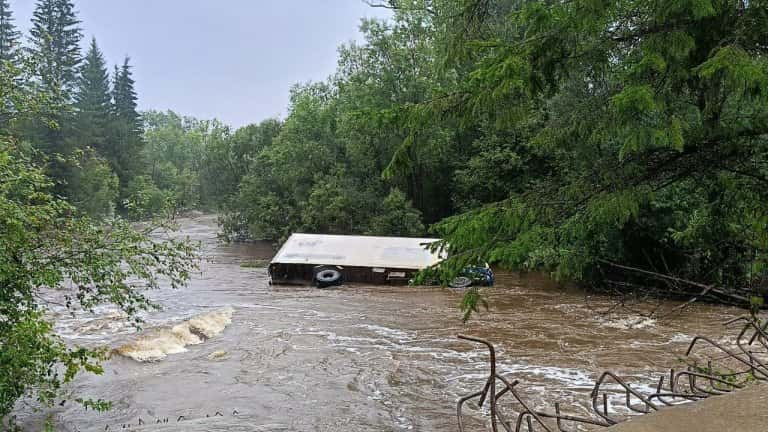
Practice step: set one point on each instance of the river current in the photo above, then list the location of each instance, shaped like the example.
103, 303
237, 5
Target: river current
234, 353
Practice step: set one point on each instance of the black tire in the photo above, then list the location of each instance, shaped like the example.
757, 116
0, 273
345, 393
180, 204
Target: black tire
460, 282
327, 277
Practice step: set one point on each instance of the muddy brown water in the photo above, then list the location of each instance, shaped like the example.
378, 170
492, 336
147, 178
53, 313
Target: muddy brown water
353, 358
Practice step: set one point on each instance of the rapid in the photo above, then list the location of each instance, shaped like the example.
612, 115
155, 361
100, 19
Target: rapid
230, 351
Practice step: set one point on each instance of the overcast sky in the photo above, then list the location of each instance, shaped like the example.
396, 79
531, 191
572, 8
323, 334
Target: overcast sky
231, 59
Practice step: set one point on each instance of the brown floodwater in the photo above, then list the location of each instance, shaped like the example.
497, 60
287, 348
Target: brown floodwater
352, 358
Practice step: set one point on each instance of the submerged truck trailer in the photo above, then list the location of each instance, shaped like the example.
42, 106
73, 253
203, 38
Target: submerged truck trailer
330, 259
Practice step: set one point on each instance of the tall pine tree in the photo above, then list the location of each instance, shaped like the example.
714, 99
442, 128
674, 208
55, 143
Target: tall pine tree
127, 140
92, 102
55, 39
124, 96
9, 36
54, 49
92, 185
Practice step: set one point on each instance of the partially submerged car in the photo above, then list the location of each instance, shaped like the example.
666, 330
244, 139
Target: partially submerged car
474, 276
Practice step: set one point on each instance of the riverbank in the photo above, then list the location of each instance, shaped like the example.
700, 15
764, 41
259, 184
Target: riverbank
741, 411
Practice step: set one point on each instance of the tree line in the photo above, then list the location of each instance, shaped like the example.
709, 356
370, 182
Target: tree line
92, 153
619, 144
622, 145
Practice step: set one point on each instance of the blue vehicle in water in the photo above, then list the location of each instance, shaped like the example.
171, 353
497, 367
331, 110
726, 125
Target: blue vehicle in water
473, 276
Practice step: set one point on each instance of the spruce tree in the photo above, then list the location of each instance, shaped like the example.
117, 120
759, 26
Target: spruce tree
124, 96
92, 101
55, 38
54, 49
9, 36
127, 132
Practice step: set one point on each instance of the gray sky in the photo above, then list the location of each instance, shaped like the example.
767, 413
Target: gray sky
231, 59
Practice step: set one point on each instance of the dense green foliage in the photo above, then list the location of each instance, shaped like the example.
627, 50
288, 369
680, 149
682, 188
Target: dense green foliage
57, 129
175, 147
322, 171
619, 143
630, 139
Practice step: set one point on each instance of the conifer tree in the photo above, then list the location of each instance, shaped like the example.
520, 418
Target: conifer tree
55, 38
124, 96
9, 36
126, 141
54, 51
92, 101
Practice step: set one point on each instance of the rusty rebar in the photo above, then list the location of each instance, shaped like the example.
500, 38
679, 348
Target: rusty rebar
692, 384
490, 385
733, 355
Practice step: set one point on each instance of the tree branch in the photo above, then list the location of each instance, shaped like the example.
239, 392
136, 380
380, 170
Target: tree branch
706, 289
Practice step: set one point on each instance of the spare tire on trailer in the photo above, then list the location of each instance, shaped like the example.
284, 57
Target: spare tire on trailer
327, 276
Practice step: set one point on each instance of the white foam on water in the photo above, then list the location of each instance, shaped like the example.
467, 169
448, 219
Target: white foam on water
158, 344
577, 378
573, 377
111, 321
388, 332
680, 338
96, 326
383, 340
629, 323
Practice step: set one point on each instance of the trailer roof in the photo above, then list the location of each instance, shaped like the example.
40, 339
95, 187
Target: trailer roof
357, 251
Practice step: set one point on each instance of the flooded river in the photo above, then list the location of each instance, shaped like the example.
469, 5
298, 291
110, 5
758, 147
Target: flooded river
353, 358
